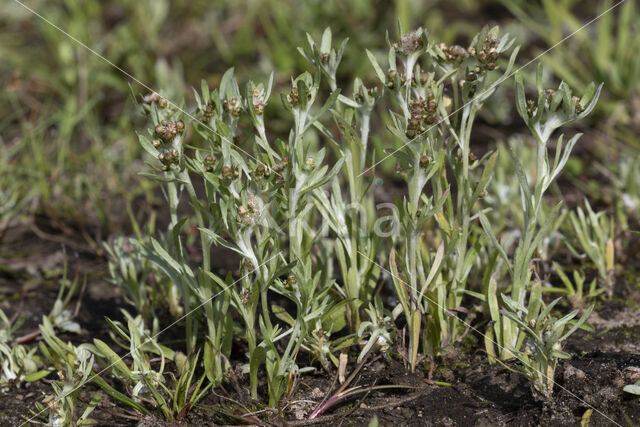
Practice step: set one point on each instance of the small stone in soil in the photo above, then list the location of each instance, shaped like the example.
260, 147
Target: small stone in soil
632, 373
618, 382
570, 371
316, 393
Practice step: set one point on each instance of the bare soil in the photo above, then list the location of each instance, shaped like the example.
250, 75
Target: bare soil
478, 394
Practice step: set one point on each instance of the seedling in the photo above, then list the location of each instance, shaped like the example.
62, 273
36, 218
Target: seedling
141, 379
541, 347
579, 294
145, 384
141, 284
74, 368
593, 234
18, 362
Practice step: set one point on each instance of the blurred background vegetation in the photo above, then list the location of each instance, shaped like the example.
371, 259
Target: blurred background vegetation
68, 119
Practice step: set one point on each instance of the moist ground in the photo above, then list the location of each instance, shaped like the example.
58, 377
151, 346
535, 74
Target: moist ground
466, 389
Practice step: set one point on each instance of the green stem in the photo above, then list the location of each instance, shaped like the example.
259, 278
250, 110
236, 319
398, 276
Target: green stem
413, 252
294, 240
174, 201
265, 306
464, 192
358, 154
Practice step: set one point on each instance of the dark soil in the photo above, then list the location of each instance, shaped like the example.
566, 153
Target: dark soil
478, 393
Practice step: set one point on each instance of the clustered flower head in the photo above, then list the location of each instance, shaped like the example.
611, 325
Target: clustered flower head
423, 112
233, 106
423, 77
532, 106
489, 54
209, 162
391, 77
165, 133
551, 94
229, 173
425, 161
410, 43
168, 158
310, 162
359, 96
455, 53
291, 281
208, 111
320, 333
250, 214
261, 171
471, 157
245, 296
279, 169
258, 101
154, 98
293, 97
281, 165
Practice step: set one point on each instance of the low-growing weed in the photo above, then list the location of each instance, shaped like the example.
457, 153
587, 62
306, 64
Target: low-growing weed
264, 199
294, 207
74, 368
17, 362
593, 237
551, 110
173, 396
144, 287
540, 346
579, 294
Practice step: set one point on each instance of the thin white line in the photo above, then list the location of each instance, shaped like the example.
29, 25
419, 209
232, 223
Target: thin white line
192, 117
468, 325
135, 79
495, 84
155, 336
221, 136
